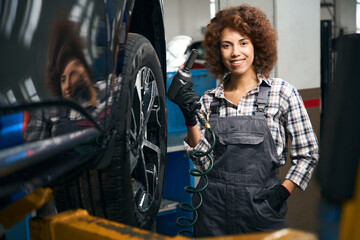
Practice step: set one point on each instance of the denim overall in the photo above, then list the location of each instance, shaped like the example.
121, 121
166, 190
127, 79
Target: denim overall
246, 162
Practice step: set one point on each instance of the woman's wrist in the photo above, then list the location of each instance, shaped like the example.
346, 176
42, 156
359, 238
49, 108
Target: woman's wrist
193, 135
289, 185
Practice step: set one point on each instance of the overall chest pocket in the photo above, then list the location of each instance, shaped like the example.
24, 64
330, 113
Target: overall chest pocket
236, 138
239, 152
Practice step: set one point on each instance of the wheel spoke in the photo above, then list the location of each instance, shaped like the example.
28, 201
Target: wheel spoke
150, 93
141, 171
133, 131
134, 158
153, 165
143, 195
138, 86
152, 146
137, 115
151, 171
136, 187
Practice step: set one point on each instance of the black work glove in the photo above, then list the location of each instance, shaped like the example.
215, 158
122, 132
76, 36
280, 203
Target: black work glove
186, 99
275, 196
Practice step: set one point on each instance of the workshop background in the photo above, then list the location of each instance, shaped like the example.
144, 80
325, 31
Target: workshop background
312, 55
298, 25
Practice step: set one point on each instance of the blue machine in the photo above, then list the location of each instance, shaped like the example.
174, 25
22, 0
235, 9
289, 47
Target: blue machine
11, 126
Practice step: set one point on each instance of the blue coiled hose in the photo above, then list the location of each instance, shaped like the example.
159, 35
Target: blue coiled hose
186, 207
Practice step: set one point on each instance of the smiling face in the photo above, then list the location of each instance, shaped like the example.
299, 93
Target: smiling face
237, 52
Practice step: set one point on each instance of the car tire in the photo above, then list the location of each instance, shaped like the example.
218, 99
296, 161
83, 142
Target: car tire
129, 190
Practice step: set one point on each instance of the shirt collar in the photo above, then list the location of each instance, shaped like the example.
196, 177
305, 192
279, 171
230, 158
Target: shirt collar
261, 79
219, 90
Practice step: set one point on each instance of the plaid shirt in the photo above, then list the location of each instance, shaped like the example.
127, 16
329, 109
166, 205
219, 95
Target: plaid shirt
286, 117
44, 123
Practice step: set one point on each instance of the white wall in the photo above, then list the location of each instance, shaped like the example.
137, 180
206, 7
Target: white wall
298, 27
186, 17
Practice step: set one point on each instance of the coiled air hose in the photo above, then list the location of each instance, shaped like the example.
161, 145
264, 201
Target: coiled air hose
186, 207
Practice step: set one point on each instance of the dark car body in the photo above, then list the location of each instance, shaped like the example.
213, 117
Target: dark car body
50, 132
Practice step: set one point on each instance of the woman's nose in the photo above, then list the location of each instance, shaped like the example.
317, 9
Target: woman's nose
67, 84
236, 51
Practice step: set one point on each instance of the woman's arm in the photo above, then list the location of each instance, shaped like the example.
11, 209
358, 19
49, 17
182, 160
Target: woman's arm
193, 136
304, 147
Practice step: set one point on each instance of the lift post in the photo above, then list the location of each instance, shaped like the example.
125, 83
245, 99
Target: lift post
16, 211
79, 225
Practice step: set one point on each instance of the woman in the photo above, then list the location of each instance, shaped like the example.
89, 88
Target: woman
252, 116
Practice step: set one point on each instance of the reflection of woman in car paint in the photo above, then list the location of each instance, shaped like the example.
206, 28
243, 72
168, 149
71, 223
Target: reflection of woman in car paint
68, 74
75, 79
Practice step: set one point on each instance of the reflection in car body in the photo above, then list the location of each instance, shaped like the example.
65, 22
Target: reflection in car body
85, 81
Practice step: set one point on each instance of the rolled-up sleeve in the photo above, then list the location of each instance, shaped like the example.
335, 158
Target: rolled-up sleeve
201, 163
304, 146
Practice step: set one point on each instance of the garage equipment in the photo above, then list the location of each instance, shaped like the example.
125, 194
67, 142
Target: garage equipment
79, 224
340, 138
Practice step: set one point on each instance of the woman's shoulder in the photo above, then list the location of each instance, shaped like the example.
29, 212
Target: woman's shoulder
281, 82
282, 87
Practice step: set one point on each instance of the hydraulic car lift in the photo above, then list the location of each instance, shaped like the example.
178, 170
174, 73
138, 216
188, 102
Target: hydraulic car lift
78, 224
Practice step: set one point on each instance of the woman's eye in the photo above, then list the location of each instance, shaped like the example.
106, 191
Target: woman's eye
225, 45
243, 43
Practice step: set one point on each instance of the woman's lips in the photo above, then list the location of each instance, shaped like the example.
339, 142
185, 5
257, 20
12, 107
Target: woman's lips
67, 94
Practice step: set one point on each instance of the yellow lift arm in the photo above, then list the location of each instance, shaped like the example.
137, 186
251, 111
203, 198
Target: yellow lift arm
79, 225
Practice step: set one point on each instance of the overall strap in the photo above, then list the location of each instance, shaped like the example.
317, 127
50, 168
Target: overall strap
262, 99
215, 108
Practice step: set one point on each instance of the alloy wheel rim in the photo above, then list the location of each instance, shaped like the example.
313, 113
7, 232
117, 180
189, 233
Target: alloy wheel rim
145, 138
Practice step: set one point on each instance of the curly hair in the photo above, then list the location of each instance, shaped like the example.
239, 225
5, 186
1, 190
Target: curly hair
249, 21
65, 45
